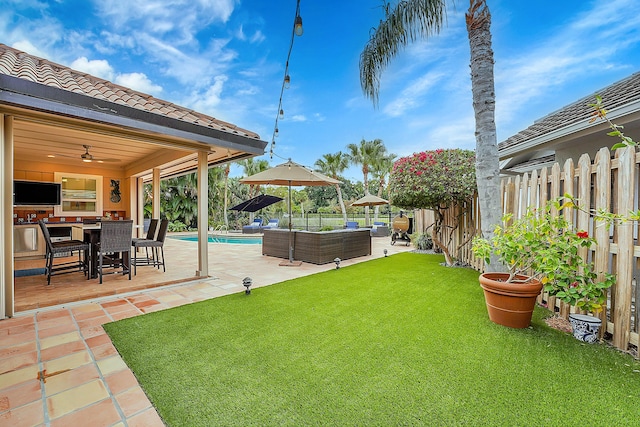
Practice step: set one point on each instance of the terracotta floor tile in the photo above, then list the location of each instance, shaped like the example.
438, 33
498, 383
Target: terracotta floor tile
98, 340
57, 340
111, 364
16, 322
17, 349
121, 381
20, 395
94, 321
24, 416
85, 308
146, 303
114, 304
76, 398
20, 376
125, 314
14, 339
102, 413
127, 306
62, 350
62, 313
17, 329
71, 361
139, 298
50, 319
91, 331
133, 401
18, 361
98, 312
104, 351
69, 379
57, 330
148, 418
152, 308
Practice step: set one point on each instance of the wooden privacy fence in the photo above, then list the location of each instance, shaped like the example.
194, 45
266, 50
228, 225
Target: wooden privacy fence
605, 184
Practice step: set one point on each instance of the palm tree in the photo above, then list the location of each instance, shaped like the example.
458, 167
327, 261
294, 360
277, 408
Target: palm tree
411, 19
380, 169
333, 165
366, 154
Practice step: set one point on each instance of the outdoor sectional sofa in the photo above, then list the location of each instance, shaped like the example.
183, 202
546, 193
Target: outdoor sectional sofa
317, 247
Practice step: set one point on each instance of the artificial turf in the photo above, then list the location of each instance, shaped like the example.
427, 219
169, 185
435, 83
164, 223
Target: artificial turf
400, 340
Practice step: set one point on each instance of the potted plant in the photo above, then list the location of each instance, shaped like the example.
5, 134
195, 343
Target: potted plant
540, 250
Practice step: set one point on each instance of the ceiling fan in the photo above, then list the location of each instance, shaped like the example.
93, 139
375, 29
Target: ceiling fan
88, 157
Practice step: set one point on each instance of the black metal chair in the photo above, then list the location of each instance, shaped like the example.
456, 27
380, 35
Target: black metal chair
145, 242
158, 243
115, 247
64, 247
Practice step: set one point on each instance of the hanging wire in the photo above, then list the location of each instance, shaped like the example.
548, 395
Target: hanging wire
297, 29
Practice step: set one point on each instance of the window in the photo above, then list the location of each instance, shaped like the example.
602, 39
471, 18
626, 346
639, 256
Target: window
81, 195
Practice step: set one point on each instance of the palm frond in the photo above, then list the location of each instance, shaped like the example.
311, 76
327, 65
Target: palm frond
408, 21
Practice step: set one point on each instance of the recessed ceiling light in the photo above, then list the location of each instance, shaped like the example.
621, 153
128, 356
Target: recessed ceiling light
51, 156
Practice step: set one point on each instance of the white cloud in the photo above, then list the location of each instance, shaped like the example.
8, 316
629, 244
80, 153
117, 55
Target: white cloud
193, 69
27, 46
139, 82
257, 37
413, 95
208, 100
96, 67
182, 18
298, 118
585, 46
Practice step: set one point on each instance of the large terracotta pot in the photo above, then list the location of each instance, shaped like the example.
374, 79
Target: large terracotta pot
509, 304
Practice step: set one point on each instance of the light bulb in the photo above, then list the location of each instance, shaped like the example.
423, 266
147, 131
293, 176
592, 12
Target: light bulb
287, 81
281, 113
297, 26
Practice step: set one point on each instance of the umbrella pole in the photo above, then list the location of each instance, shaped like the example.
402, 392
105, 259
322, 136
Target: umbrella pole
290, 233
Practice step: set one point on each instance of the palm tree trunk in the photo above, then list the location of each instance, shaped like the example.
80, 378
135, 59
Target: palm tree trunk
482, 85
366, 193
226, 196
341, 201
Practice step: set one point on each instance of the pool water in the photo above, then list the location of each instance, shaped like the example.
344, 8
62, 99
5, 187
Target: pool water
225, 239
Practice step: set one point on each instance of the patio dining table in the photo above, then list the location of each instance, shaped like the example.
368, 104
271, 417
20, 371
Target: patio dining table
91, 233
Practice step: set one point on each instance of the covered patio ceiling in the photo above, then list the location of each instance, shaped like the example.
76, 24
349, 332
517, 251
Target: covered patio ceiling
61, 141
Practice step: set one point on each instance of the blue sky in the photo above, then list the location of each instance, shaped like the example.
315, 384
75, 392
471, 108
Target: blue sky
226, 58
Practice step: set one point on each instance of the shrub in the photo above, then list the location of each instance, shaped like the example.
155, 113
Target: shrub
422, 241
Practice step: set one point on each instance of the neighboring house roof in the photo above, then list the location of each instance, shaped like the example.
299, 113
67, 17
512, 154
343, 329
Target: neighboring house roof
620, 99
124, 105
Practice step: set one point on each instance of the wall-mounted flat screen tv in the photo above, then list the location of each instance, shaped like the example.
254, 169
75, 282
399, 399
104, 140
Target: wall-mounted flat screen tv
35, 193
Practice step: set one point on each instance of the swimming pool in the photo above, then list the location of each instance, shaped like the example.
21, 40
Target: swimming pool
225, 239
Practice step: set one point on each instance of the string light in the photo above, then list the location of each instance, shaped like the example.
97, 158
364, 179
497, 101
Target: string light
286, 81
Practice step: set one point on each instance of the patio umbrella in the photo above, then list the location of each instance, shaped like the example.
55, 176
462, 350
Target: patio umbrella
290, 174
370, 200
256, 203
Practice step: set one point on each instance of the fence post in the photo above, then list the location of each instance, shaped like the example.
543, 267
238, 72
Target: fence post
624, 259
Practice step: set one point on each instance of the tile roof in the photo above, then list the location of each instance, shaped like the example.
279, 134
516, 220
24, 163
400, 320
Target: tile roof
22, 65
616, 95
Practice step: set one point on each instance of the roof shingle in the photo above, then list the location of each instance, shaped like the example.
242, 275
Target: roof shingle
22, 65
613, 96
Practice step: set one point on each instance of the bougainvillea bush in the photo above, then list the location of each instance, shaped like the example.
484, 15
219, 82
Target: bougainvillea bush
433, 179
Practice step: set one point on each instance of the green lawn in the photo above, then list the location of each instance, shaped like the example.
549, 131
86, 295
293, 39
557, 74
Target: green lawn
400, 340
